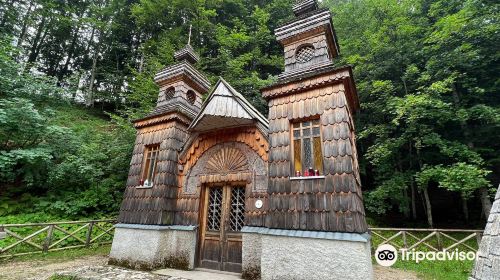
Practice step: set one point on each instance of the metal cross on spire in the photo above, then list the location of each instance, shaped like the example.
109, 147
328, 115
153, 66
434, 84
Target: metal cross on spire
187, 53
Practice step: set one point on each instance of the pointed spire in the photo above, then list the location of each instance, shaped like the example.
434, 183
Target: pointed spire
189, 38
187, 53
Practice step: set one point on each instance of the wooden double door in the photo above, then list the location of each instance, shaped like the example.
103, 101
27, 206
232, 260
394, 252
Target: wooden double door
220, 234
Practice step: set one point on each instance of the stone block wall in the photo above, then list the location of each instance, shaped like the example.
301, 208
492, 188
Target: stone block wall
148, 247
305, 255
251, 254
488, 262
298, 258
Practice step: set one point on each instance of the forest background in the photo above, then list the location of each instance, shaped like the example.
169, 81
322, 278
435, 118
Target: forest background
74, 73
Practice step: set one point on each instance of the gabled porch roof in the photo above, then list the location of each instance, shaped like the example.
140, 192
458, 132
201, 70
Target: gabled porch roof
225, 108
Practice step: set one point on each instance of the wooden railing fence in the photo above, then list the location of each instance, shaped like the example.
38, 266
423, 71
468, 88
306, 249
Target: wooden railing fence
427, 239
23, 239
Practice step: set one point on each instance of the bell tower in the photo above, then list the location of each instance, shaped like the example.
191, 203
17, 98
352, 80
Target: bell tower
315, 203
150, 196
181, 84
309, 41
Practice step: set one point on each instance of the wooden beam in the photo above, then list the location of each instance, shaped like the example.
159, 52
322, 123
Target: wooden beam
15, 235
69, 234
24, 239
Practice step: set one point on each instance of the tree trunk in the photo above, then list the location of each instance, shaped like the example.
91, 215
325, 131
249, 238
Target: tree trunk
413, 201
465, 209
35, 47
428, 207
404, 192
71, 51
485, 201
90, 94
483, 192
141, 63
25, 25
427, 200
412, 183
91, 38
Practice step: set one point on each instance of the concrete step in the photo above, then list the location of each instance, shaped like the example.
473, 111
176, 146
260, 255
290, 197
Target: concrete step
199, 274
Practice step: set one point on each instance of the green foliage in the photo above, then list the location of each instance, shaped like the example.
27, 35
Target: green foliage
63, 255
426, 74
445, 270
55, 158
459, 177
429, 98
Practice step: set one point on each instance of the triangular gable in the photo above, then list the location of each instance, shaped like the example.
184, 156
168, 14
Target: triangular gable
224, 108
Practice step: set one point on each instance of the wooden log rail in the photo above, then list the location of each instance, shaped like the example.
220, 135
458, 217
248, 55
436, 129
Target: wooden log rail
427, 239
23, 239
31, 238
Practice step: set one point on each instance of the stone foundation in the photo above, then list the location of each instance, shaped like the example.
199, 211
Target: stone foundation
488, 262
297, 255
147, 247
251, 253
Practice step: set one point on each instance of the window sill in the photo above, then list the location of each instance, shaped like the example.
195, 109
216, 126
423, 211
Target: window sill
144, 187
307, 178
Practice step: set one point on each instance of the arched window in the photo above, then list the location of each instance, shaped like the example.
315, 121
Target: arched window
191, 96
304, 53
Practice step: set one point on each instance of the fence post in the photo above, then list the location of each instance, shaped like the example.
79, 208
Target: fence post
405, 245
440, 244
3, 234
89, 234
479, 237
48, 239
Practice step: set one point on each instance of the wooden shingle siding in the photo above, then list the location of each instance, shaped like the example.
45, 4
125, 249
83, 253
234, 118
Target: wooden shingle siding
320, 53
181, 88
288, 91
226, 108
332, 203
154, 205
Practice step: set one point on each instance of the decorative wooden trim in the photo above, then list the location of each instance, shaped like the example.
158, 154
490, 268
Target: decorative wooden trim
234, 177
162, 118
306, 178
250, 136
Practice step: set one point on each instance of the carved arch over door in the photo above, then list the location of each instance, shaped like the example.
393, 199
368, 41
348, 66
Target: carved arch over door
225, 162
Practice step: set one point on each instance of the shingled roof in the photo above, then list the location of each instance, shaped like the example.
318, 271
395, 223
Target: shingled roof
225, 107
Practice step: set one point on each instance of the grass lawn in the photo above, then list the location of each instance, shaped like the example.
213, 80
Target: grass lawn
439, 270
63, 255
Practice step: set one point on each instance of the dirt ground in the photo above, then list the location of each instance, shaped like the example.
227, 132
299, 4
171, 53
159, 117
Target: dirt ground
41, 269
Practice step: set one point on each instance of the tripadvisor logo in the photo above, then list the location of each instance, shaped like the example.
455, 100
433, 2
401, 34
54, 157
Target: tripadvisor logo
387, 255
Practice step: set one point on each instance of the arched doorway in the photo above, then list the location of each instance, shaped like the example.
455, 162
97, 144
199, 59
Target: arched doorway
227, 177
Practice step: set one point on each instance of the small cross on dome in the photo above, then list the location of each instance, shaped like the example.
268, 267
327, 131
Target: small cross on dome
187, 53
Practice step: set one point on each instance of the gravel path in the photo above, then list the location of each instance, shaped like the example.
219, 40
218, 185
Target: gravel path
96, 265
42, 269
387, 273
